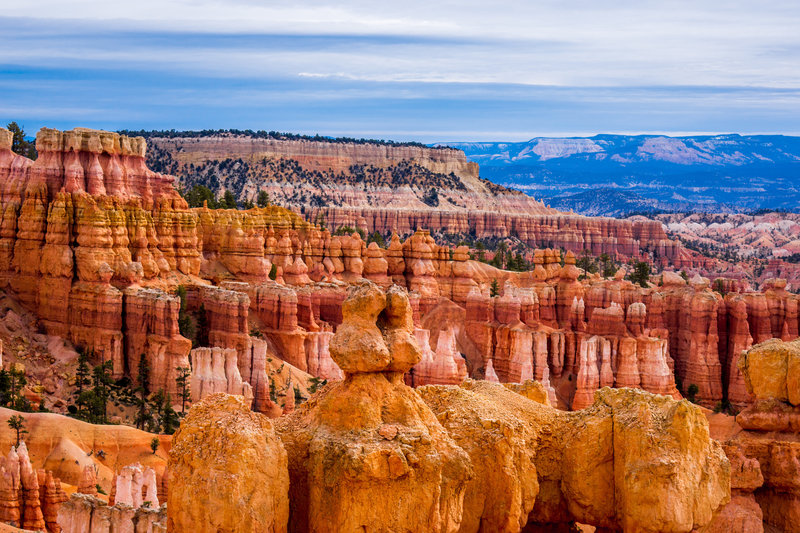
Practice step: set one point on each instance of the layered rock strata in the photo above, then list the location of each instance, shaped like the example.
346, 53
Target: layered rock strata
95, 252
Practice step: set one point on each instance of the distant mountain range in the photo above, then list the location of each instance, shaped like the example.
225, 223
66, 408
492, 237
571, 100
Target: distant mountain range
616, 175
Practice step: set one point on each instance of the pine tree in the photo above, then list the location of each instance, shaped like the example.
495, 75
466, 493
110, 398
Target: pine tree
494, 288
202, 326
101, 392
184, 392
143, 416
262, 200
168, 419
18, 143
640, 274
17, 381
228, 201
17, 423
82, 381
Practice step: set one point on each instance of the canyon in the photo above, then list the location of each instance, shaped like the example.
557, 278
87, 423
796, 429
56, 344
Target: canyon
101, 255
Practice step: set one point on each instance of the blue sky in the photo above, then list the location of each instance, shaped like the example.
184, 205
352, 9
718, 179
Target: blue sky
429, 71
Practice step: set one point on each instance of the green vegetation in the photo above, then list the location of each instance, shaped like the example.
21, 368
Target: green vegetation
200, 195
186, 324
640, 274
691, 393
11, 383
431, 197
349, 230
494, 288
184, 391
17, 423
142, 392
18, 143
377, 238
154, 444
592, 265
315, 384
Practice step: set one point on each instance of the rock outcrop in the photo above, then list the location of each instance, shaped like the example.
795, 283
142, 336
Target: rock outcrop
227, 471
766, 454
630, 462
68, 447
29, 498
366, 452
83, 512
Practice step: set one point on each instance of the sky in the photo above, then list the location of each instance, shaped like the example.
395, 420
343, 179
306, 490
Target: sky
430, 71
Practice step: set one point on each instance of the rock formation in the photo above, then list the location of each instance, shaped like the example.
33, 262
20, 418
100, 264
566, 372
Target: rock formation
29, 498
83, 512
82, 454
227, 471
580, 472
766, 454
368, 454
399, 469
95, 244
216, 370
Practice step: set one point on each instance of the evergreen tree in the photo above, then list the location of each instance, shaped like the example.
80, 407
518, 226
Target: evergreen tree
16, 382
202, 326
228, 201
18, 143
165, 419
101, 392
640, 274
185, 322
82, 381
200, 194
5, 387
262, 200
377, 238
142, 392
169, 419
480, 248
184, 392
17, 423
494, 288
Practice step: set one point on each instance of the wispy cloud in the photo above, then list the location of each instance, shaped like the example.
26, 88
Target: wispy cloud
420, 68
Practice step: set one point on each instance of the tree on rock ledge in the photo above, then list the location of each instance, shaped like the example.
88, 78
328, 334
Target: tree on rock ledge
18, 143
17, 423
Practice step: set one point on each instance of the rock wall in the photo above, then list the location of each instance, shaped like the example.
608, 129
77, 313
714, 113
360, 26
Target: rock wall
765, 453
98, 268
553, 230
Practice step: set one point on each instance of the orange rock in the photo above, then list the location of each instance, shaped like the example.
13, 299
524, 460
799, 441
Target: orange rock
566, 466
219, 437
387, 468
